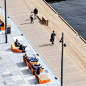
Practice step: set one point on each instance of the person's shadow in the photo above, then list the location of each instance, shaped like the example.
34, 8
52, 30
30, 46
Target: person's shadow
45, 45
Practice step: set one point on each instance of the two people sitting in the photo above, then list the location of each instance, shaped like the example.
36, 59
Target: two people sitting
21, 46
36, 68
32, 59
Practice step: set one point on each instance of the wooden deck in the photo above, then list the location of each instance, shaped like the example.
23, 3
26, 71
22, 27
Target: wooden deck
39, 35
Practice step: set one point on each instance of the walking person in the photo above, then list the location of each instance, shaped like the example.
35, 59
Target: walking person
31, 17
52, 37
35, 13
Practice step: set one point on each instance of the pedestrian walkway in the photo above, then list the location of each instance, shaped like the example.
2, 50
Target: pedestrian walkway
39, 35
13, 71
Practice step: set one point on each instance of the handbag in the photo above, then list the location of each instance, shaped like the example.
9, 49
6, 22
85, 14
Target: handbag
50, 40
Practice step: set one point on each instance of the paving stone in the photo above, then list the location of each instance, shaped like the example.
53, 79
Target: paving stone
13, 68
6, 75
7, 72
15, 73
1, 49
1, 79
14, 34
16, 77
10, 64
21, 82
1, 84
4, 83
10, 83
15, 85
1, 65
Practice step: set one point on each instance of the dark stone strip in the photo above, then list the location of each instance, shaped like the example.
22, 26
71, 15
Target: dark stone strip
55, 0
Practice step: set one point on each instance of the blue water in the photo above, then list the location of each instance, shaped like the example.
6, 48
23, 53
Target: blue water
74, 12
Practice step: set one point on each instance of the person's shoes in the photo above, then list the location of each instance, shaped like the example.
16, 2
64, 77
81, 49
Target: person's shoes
39, 64
37, 59
23, 51
25, 46
53, 43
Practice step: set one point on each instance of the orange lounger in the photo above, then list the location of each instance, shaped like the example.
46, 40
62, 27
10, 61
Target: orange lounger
14, 48
43, 78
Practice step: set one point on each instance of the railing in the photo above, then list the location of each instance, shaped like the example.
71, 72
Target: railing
82, 39
50, 7
68, 25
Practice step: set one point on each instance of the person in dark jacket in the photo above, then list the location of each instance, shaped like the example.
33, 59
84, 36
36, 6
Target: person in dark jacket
36, 69
17, 43
35, 13
52, 37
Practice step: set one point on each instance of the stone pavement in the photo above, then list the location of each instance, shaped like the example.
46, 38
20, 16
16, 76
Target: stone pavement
13, 71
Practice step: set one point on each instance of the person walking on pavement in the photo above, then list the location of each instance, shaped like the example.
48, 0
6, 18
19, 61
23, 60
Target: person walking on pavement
31, 17
35, 13
52, 37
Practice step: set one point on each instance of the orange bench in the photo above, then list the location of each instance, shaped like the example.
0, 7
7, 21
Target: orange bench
2, 19
14, 48
43, 78
24, 59
3, 27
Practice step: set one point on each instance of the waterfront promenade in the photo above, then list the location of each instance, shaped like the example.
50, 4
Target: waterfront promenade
38, 35
13, 70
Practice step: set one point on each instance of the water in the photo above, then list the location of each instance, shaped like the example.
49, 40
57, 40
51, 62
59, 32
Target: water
74, 12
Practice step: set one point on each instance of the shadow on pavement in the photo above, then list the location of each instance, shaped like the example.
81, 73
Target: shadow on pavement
45, 45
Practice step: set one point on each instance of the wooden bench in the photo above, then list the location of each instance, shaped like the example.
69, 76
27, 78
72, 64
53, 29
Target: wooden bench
14, 48
45, 21
43, 78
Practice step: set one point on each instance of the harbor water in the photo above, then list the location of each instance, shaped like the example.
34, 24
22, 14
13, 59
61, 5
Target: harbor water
74, 12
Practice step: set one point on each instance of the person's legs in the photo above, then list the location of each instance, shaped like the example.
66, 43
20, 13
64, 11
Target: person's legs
23, 50
35, 16
32, 19
37, 65
32, 58
52, 41
34, 71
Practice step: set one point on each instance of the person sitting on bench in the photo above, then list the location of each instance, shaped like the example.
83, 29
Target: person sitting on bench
22, 47
17, 43
32, 59
1, 23
36, 68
